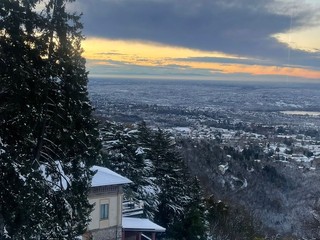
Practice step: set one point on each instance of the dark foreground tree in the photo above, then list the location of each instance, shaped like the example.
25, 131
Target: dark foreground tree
48, 138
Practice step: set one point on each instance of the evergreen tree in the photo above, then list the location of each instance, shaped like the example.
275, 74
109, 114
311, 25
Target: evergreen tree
126, 154
145, 136
192, 224
121, 148
48, 137
171, 178
171, 197
149, 192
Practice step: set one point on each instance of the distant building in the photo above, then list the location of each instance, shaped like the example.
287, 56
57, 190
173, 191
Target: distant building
107, 221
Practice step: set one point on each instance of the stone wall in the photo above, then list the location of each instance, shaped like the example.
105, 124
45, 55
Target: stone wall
112, 233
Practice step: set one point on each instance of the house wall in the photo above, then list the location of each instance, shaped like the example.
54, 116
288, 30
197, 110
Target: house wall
107, 228
102, 195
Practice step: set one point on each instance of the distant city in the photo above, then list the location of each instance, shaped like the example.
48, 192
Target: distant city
275, 127
203, 109
166, 103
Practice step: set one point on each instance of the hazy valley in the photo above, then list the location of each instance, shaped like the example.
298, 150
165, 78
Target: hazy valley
252, 145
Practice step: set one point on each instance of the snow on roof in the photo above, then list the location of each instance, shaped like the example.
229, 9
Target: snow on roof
140, 224
105, 177
59, 172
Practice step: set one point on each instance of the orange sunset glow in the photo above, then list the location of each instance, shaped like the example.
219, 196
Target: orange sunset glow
106, 52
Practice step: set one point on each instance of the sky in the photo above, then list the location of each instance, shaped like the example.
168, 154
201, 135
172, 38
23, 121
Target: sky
267, 40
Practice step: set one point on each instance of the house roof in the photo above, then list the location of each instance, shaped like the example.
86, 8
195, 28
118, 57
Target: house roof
140, 224
106, 177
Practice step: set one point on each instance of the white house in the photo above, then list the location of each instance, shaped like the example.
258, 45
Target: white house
107, 222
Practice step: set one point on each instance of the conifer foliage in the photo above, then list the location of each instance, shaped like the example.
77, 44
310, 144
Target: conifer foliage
125, 151
48, 138
171, 197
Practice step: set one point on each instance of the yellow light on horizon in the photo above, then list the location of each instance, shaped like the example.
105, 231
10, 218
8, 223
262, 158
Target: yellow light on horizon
103, 52
99, 49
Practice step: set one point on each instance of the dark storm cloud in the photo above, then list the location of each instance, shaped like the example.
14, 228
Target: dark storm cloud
242, 27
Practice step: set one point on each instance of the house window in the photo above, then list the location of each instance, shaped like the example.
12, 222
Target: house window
104, 211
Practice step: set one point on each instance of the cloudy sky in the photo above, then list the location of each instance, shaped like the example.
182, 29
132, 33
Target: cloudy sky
270, 40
